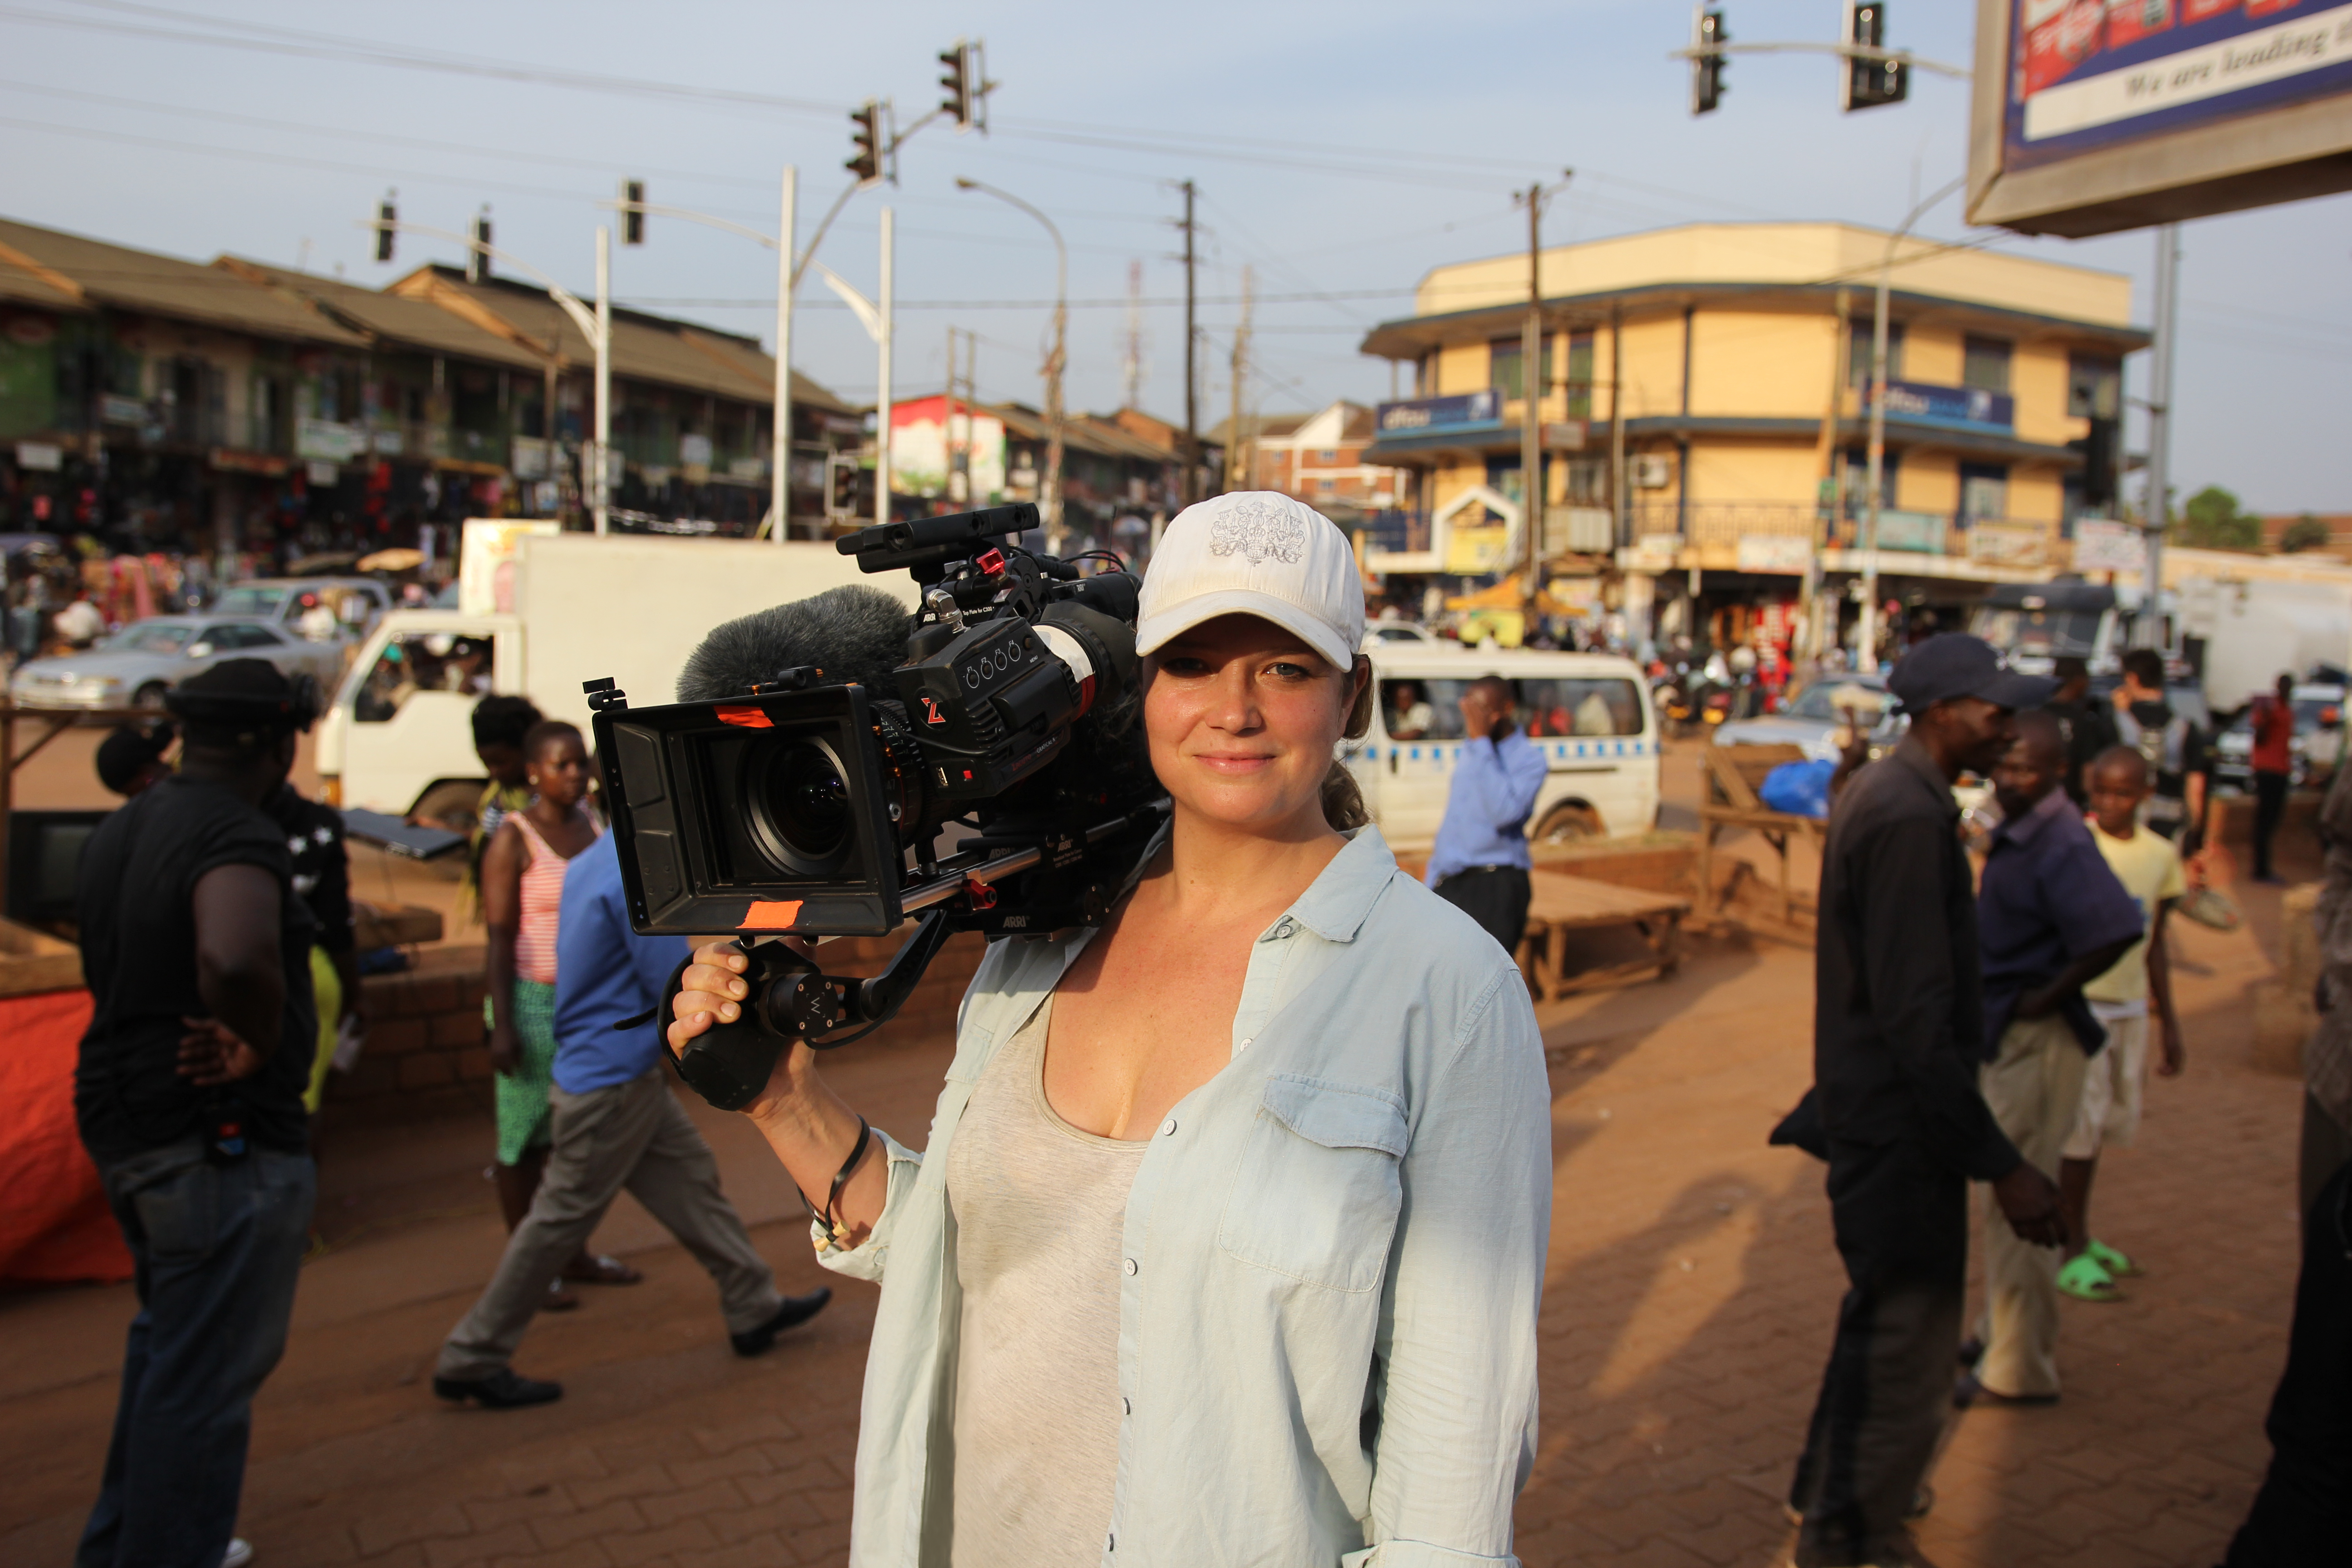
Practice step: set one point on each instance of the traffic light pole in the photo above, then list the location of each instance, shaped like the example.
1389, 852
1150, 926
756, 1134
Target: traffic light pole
1049, 493
601, 494
2147, 629
780, 453
882, 387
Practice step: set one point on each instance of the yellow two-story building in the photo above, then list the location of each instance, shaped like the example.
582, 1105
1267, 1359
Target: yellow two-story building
1703, 410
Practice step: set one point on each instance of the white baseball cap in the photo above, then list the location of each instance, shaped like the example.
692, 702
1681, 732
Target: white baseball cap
1254, 552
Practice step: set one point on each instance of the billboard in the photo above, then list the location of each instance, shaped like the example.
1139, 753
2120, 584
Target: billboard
2097, 115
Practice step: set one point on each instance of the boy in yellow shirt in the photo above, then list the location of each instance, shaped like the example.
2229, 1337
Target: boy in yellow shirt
2149, 869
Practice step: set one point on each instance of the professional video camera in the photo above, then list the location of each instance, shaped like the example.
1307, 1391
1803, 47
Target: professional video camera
846, 766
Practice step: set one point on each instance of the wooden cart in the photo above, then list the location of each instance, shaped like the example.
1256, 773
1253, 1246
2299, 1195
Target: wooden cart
1733, 775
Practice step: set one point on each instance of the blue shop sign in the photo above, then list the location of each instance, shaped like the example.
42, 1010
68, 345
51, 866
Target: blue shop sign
1438, 415
1955, 408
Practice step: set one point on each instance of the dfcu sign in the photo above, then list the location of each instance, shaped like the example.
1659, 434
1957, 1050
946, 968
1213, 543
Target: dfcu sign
1442, 415
1954, 407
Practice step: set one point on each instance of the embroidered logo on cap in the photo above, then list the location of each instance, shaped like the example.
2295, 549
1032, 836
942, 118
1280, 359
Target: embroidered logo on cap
1259, 530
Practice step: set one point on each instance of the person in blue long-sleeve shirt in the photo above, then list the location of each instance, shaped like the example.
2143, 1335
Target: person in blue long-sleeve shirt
615, 1125
1480, 862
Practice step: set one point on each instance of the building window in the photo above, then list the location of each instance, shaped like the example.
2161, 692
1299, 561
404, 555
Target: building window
2094, 387
1328, 454
1505, 356
1984, 363
1588, 481
1327, 486
1857, 353
1984, 492
1580, 375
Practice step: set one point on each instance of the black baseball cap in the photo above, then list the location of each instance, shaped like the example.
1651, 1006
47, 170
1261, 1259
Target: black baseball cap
1957, 665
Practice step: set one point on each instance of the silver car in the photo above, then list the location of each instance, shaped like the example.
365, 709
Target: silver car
1816, 716
133, 668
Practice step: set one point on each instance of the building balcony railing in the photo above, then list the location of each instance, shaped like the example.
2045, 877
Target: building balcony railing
1724, 525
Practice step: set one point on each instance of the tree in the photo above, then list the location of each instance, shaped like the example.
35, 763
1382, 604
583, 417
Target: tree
2306, 533
2211, 519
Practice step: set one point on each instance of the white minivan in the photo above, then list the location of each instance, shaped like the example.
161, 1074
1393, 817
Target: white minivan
1590, 713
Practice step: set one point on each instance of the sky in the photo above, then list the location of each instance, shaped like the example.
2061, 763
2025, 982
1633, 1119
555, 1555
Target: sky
1338, 153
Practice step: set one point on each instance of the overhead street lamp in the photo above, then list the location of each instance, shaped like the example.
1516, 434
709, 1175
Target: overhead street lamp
1868, 660
1049, 492
595, 325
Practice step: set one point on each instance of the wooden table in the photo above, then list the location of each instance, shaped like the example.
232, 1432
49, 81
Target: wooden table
1559, 904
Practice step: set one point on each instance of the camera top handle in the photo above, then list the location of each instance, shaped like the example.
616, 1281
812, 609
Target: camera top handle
924, 545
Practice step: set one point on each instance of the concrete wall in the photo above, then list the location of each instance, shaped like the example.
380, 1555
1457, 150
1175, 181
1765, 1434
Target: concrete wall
1762, 364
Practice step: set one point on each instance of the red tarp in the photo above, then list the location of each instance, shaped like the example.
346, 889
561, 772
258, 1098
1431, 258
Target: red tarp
55, 1227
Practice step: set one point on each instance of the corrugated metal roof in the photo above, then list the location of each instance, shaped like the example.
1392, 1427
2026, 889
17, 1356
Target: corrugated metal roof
165, 286
390, 317
645, 348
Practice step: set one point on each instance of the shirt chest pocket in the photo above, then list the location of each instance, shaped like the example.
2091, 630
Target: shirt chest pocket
1317, 1189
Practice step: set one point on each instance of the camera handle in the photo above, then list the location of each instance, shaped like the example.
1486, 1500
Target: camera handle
790, 998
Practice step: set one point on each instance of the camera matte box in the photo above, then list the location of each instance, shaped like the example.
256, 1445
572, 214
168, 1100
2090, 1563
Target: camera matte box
719, 866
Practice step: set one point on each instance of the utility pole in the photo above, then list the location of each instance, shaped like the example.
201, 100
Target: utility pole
1187, 488
2148, 630
1057, 360
1133, 364
1832, 466
882, 385
1532, 387
1237, 476
948, 429
780, 455
601, 504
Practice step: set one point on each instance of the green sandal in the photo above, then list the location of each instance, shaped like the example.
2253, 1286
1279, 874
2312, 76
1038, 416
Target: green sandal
2116, 1265
2086, 1280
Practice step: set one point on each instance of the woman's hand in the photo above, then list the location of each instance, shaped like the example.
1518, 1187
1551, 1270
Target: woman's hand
505, 1049
711, 991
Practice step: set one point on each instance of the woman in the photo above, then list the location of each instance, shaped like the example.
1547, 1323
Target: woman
1171, 1288
522, 888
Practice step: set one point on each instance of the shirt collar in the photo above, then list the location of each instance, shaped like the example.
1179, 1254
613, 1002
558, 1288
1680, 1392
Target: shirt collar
2023, 831
1914, 756
1336, 904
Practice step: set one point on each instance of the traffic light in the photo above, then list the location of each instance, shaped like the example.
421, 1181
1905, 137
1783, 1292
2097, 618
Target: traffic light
633, 211
1867, 83
867, 161
1706, 69
477, 255
387, 221
956, 84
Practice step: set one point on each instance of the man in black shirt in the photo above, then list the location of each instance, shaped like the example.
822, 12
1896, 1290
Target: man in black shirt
189, 1095
1899, 1032
2179, 753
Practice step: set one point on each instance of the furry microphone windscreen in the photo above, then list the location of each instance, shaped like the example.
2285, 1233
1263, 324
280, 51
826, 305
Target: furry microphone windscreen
852, 633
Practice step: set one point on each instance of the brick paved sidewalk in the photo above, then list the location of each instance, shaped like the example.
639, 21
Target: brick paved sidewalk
1691, 1291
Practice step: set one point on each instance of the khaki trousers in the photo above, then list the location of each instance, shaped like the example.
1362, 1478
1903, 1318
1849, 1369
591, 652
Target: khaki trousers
633, 1135
2033, 1088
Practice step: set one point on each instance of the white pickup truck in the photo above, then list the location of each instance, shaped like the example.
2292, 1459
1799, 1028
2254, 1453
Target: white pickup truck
564, 608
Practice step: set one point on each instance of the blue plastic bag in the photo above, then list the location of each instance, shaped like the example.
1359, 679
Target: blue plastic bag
1799, 789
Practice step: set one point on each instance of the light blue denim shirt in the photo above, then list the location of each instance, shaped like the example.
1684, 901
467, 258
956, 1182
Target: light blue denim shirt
1332, 1259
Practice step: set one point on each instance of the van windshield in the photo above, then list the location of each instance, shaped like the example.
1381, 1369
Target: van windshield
1417, 710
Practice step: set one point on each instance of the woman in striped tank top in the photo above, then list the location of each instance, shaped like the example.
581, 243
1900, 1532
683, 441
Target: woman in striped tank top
522, 888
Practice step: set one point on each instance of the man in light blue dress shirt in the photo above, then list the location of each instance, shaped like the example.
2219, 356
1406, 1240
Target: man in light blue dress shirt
1480, 861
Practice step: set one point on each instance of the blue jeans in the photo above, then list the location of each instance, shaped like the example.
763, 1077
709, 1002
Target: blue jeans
217, 1250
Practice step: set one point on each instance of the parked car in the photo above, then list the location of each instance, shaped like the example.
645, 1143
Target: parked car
2318, 740
316, 609
1815, 718
137, 664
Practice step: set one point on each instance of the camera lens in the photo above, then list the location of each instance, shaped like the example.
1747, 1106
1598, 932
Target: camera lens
804, 802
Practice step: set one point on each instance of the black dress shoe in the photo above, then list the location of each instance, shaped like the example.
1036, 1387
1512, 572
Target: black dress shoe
504, 1389
796, 1310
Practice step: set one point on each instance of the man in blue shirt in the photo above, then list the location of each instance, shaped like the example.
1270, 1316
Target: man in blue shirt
615, 1125
2051, 917
1480, 861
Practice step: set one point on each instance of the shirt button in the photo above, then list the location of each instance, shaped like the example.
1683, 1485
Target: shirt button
1110, 1541
1245, 1044
1125, 1406
1168, 1128
1130, 1266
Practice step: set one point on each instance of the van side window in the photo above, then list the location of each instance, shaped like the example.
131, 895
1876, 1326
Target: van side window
424, 661
1607, 705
